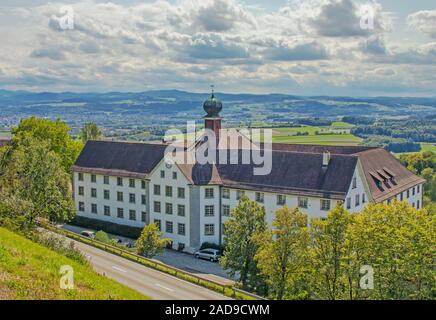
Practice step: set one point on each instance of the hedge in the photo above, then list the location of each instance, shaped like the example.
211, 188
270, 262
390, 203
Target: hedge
108, 227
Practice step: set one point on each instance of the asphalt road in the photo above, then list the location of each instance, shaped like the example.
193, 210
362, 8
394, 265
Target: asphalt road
152, 283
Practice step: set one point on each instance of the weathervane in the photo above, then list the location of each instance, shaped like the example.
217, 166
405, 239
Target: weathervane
213, 90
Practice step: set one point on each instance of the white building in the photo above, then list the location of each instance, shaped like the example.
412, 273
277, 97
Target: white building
131, 184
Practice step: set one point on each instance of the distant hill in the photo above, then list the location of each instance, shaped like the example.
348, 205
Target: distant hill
139, 111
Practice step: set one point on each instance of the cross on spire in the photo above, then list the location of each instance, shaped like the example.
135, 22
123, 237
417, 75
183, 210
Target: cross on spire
213, 90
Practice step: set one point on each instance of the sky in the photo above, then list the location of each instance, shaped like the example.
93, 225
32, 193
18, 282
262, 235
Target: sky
302, 47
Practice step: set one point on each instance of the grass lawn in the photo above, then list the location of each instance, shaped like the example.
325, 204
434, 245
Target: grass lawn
31, 271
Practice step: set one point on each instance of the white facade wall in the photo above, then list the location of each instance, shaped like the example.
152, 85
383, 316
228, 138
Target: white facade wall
180, 182
413, 196
357, 197
112, 203
313, 209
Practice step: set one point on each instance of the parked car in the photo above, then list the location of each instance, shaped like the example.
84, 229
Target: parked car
88, 234
212, 255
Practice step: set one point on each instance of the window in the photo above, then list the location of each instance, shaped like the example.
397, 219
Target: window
93, 178
143, 216
143, 184
106, 194
226, 193
181, 210
303, 202
120, 213
357, 200
260, 197
363, 198
132, 198
119, 182
408, 193
131, 183
80, 176
158, 224
418, 189
325, 205
209, 229
162, 174
354, 183
168, 227
226, 210
281, 200
174, 175
120, 196
208, 193
93, 193
209, 211
81, 206
156, 206
413, 191
168, 208
181, 193
417, 204
168, 191
81, 191
106, 180
240, 194
401, 196
107, 210
143, 199
389, 201
348, 203
93, 208
156, 190
181, 230
132, 215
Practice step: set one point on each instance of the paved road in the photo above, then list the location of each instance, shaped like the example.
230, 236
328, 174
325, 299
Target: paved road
152, 283
205, 269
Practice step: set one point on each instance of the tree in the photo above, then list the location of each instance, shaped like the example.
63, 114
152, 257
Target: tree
90, 131
54, 133
399, 243
329, 251
33, 173
151, 243
283, 254
246, 221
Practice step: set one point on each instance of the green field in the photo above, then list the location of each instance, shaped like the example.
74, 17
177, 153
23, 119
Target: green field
337, 134
330, 139
31, 271
428, 147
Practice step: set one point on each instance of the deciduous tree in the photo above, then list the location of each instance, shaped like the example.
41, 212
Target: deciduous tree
151, 243
246, 221
283, 254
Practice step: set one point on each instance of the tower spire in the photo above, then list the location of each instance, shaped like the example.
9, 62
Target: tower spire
212, 87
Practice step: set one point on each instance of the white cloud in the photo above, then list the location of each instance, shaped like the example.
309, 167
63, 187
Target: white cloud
423, 21
185, 44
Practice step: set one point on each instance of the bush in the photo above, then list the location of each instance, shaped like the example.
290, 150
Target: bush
109, 227
59, 245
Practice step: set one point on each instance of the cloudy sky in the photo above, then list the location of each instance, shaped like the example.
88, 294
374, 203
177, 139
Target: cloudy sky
305, 47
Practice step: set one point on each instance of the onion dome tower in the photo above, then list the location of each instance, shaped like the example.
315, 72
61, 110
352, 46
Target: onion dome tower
212, 120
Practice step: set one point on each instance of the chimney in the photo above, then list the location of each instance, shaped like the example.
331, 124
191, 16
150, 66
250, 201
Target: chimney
325, 158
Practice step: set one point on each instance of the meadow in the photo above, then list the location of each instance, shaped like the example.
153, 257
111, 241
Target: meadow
31, 271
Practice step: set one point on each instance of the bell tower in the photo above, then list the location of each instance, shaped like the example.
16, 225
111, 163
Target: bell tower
212, 120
